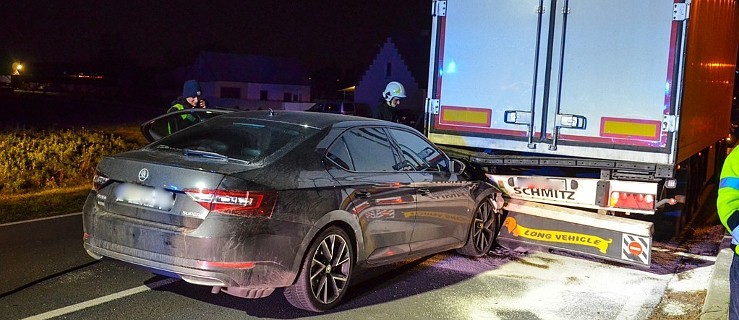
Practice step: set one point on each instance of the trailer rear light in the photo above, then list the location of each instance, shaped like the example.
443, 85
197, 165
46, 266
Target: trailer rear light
628, 200
671, 183
236, 203
99, 180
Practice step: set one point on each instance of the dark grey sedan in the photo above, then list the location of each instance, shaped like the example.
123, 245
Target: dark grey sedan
247, 202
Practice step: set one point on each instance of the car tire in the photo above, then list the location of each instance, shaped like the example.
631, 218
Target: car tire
483, 229
325, 272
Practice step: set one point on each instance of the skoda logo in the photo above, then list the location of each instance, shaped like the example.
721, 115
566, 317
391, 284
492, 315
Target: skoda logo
143, 174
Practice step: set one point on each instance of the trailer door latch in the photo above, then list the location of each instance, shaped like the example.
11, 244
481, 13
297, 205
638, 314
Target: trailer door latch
571, 121
517, 117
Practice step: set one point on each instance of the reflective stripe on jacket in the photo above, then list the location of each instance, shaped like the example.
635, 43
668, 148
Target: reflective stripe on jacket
177, 107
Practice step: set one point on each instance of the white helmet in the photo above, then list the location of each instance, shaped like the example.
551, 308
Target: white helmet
393, 90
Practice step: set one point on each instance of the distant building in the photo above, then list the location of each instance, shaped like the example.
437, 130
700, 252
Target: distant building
402, 59
249, 81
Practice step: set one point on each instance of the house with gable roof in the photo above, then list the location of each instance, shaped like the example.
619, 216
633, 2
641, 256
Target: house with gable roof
249, 81
402, 59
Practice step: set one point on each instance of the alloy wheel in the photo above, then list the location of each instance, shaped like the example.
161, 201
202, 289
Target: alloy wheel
484, 225
329, 269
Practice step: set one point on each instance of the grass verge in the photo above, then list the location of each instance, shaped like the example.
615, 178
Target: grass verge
42, 204
58, 200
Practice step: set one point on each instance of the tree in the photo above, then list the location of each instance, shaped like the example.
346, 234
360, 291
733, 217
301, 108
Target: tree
6, 62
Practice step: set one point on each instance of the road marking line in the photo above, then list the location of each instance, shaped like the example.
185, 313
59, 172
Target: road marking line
40, 219
696, 256
101, 300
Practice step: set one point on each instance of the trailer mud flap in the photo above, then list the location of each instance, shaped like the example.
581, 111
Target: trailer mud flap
608, 237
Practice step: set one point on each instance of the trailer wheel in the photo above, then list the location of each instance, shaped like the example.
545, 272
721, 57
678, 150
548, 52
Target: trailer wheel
483, 229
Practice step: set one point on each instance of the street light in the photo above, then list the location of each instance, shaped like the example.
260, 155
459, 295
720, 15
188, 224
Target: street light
17, 66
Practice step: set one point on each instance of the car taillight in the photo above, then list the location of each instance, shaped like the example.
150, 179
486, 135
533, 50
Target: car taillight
233, 202
629, 200
99, 181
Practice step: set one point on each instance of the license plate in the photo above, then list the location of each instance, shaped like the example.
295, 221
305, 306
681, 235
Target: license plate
149, 197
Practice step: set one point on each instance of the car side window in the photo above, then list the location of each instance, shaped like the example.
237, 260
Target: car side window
339, 154
369, 150
421, 155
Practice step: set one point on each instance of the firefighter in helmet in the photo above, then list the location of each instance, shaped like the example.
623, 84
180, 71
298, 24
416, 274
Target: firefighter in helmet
386, 110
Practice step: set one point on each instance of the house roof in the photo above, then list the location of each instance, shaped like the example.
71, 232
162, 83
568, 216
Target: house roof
212, 66
414, 50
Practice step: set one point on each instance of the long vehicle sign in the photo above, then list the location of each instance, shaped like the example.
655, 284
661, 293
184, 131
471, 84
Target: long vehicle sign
609, 237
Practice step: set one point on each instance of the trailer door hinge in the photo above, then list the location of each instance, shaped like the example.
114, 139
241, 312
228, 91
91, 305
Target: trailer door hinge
681, 11
669, 123
433, 106
439, 9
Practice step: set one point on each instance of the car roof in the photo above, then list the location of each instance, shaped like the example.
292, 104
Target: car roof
313, 119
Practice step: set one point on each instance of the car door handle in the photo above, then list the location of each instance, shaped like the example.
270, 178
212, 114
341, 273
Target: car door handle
362, 194
424, 191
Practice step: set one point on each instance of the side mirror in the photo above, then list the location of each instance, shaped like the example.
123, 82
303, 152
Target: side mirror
457, 166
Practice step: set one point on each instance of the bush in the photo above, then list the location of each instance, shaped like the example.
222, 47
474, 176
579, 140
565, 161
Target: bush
41, 160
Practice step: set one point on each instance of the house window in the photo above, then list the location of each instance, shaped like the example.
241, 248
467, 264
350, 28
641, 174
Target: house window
230, 92
287, 97
389, 70
296, 98
263, 95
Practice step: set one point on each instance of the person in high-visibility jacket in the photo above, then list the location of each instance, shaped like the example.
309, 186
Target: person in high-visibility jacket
191, 98
728, 212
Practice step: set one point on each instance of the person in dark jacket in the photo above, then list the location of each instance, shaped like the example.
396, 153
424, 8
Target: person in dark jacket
728, 212
191, 98
386, 110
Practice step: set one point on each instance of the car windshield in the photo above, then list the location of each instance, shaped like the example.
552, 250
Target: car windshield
246, 139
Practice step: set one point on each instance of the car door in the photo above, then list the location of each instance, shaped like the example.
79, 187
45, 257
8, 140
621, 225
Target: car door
443, 199
364, 162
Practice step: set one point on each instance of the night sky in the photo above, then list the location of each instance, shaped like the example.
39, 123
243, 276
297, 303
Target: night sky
167, 34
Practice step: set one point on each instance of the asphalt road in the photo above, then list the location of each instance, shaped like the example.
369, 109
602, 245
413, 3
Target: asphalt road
45, 273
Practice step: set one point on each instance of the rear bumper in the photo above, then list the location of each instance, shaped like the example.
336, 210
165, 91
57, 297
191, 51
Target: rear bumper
262, 275
222, 251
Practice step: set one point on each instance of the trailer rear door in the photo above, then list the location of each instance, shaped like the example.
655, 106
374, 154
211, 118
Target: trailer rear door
587, 78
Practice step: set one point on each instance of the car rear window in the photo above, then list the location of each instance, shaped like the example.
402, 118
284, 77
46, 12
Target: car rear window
245, 139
